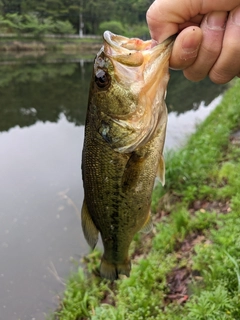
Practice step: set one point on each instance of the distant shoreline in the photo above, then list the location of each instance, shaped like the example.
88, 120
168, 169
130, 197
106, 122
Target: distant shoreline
63, 43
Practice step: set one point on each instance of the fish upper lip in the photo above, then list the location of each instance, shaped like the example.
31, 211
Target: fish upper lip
120, 43
109, 37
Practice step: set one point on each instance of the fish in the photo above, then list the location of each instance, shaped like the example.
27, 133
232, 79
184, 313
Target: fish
123, 145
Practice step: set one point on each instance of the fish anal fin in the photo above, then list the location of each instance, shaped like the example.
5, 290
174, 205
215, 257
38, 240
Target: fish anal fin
112, 271
161, 170
89, 229
148, 225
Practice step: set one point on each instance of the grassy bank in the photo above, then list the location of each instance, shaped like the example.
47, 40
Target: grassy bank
188, 267
64, 44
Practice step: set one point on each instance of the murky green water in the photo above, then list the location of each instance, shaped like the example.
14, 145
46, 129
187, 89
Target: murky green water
42, 112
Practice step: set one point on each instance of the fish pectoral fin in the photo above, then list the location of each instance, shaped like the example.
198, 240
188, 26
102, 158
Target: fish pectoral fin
89, 229
148, 225
132, 171
161, 171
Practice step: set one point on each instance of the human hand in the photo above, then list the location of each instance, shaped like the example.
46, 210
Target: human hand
208, 42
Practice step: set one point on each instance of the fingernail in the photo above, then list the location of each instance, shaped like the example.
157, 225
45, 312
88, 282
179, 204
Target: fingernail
236, 16
216, 20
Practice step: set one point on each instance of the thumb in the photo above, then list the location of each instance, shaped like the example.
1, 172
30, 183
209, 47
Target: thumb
185, 48
159, 28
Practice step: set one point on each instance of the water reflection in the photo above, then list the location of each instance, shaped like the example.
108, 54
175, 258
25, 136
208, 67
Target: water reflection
42, 114
33, 92
184, 95
42, 92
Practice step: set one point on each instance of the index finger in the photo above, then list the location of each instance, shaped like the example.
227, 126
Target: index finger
164, 17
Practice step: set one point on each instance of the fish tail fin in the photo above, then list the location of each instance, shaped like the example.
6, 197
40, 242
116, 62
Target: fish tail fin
111, 271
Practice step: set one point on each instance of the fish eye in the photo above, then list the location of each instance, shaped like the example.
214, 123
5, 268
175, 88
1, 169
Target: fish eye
102, 79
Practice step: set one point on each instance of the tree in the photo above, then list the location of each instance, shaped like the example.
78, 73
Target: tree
113, 25
63, 27
11, 23
33, 25
11, 6
94, 12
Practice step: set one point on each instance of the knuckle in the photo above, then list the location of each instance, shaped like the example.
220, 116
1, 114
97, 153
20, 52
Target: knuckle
149, 14
220, 76
211, 51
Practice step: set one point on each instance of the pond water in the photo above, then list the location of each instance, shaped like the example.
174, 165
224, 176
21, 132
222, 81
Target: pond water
42, 112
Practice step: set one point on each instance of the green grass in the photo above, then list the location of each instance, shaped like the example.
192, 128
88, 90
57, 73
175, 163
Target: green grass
207, 170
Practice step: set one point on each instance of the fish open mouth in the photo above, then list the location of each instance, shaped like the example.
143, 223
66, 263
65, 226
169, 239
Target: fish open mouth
133, 51
130, 50
119, 42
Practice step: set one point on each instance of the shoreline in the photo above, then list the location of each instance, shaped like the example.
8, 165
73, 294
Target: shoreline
46, 44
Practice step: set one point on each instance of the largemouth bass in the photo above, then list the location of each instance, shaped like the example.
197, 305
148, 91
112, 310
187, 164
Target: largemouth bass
124, 139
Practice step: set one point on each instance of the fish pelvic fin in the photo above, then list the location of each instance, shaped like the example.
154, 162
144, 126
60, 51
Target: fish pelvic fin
112, 271
161, 171
148, 225
89, 229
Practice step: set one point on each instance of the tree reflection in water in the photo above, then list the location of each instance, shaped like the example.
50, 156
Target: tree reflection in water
41, 92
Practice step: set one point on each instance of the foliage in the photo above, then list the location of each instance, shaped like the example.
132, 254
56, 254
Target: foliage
31, 23
113, 26
62, 27
132, 31
93, 13
138, 31
210, 305
11, 23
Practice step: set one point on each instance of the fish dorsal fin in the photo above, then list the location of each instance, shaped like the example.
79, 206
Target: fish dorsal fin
148, 225
89, 229
161, 170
